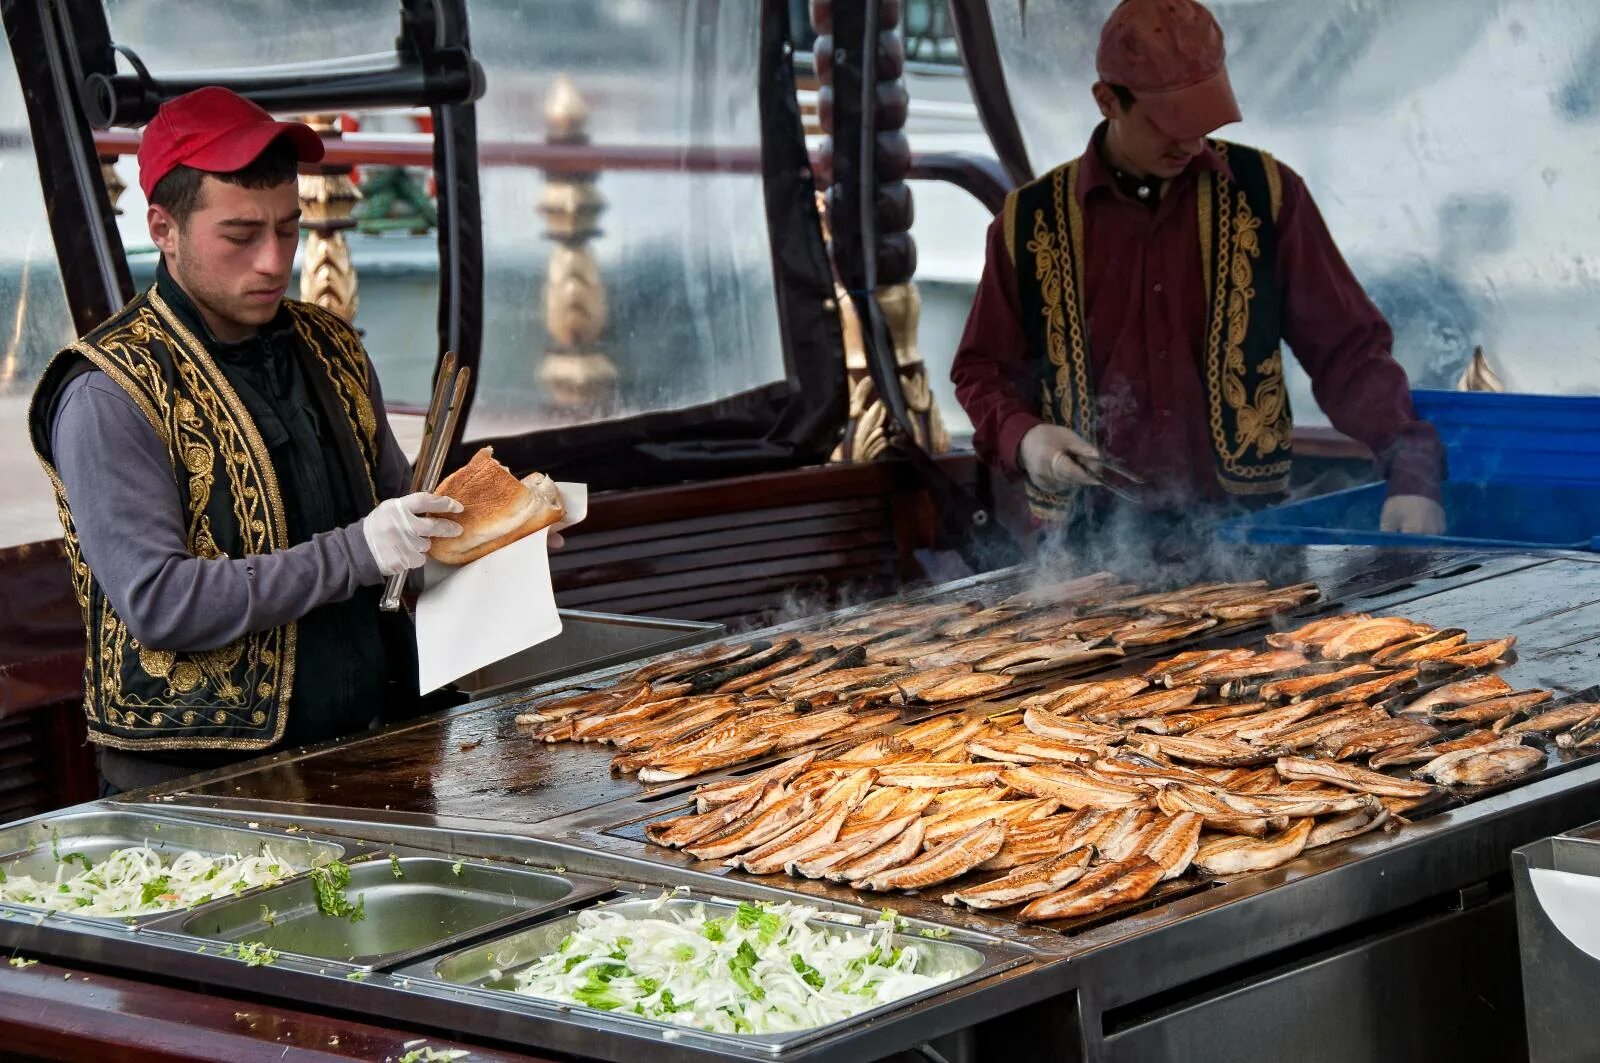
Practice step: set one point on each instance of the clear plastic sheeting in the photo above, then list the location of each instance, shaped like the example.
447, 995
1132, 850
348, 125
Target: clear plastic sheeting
683, 258
181, 36
34, 321
1449, 144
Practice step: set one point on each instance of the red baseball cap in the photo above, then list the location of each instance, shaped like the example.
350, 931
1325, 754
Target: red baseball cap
1170, 55
216, 130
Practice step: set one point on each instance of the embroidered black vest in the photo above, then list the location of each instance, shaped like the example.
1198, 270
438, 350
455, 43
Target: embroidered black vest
1248, 407
235, 697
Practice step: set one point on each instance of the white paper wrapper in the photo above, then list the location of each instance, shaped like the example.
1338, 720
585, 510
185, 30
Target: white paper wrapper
1573, 904
498, 605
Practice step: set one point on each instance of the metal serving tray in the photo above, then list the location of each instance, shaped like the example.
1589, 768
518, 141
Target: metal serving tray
487, 970
434, 903
31, 847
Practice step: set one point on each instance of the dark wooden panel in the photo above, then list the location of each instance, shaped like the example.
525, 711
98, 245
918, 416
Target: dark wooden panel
586, 536
762, 568
811, 552
579, 552
735, 599
69, 1013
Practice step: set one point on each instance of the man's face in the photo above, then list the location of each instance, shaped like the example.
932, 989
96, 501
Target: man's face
234, 254
1139, 144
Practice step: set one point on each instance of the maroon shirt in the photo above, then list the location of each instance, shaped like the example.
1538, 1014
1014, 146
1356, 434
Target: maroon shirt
1146, 305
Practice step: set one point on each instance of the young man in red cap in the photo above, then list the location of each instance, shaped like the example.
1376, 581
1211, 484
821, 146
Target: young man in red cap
226, 476
1133, 303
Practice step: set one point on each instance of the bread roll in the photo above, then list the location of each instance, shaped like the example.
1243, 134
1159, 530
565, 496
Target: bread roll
497, 508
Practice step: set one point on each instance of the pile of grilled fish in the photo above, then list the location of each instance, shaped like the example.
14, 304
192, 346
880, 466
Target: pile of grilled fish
1091, 795
720, 707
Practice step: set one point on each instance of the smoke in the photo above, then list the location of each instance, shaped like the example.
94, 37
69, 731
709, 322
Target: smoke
804, 602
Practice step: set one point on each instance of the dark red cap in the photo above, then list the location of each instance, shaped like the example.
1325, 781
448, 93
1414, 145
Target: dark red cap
1170, 55
216, 130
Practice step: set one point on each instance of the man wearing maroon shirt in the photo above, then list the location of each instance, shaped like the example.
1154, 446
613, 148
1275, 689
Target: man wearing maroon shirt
1134, 302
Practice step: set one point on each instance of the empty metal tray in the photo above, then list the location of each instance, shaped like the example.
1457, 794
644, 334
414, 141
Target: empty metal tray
34, 847
489, 968
434, 903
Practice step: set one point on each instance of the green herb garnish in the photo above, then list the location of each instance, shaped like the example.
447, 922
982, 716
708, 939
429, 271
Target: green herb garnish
936, 933
394, 866
455, 869
330, 882
809, 974
152, 891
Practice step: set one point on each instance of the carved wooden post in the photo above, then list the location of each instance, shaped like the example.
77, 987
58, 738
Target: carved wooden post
578, 378
328, 200
897, 253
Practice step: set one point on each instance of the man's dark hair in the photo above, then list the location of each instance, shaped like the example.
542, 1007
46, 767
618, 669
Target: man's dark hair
179, 190
1123, 94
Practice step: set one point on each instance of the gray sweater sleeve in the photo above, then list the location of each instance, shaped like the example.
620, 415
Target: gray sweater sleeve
130, 523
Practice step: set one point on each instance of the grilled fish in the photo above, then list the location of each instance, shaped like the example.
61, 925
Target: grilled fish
1029, 748
1047, 724
566, 705
938, 776
708, 796
1366, 741
1580, 737
1154, 633
1029, 843
1189, 720
799, 841
1073, 787
951, 860
820, 861
1570, 715
755, 829
1162, 671
1364, 690
1153, 703
1304, 686
1314, 730
1254, 665
686, 830
1426, 751
1425, 647
893, 853
1026, 883
698, 765
1496, 708
964, 652
1172, 842
1203, 751
1338, 828
1372, 635
1080, 696
1216, 812
1350, 777
1313, 635
1484, 765
1118, 883
1236, 855
1478, 654
952, 688
1140, 768
943, 826
1461, 692
1127, 836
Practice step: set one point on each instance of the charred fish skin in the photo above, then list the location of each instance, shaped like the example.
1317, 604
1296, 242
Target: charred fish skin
1026, 883
1117, 883
1350, 777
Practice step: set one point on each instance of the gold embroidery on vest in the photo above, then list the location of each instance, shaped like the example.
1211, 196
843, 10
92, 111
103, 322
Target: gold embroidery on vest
1262, 419
346, 368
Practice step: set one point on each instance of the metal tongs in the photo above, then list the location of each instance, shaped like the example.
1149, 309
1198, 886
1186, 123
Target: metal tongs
449, 396
1106, 465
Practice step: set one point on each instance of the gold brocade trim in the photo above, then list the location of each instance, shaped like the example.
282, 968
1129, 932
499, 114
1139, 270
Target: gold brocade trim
1260, 420
1274, 183
346, 368
1058, 268
1008, 226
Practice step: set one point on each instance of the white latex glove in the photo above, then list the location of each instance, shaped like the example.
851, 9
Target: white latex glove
1048, 454
398, 531
1412, 515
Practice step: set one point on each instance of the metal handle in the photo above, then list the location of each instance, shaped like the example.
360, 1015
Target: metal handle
449, 396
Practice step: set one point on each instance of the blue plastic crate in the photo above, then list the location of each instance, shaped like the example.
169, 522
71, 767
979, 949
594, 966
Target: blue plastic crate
1500, 515
1549, 439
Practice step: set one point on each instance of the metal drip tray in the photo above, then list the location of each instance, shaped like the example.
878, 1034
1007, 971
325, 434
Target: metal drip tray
36, 848
412, 905
490, 968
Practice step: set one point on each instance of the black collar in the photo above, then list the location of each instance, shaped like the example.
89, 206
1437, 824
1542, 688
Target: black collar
1145, 190
267, 341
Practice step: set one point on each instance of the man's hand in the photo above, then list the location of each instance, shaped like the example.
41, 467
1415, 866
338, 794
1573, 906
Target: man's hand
398, 531
1412, 515
1053, 456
